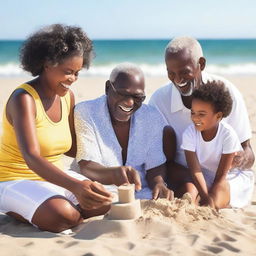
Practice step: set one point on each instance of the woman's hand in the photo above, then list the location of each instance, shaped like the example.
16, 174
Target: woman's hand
92, 195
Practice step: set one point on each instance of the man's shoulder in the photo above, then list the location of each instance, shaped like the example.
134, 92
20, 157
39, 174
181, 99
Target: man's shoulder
88, 105
148, 109
161, 95
228, 84
167, 88
149, 113
208, 77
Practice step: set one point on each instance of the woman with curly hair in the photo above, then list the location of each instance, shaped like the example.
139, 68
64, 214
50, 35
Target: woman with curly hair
38, 127
210, 146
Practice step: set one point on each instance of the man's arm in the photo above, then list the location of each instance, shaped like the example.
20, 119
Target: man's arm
110, 175
241, 125
169, 143
244, 159
156, 181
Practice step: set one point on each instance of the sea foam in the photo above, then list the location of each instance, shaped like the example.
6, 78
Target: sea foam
14, 70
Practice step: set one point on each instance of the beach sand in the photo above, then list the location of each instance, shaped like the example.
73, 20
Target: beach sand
166, 228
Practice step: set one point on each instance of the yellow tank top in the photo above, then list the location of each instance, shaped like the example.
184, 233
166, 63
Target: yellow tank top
54, 140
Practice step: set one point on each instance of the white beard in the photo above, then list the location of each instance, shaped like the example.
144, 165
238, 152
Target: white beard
191, 89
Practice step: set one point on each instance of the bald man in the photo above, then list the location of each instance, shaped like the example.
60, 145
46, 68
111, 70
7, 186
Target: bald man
120, 139
185, 65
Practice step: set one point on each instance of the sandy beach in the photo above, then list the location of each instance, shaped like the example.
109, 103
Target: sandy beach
166, 228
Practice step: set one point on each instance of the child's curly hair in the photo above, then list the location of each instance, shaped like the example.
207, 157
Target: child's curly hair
53, 44
217, 94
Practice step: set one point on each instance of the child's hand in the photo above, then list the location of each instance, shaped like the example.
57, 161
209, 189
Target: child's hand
207, 201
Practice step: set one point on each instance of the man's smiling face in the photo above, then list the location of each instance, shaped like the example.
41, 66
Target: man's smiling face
183, 71
125, 95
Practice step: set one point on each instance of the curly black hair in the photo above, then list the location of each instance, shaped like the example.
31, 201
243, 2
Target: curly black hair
217, 94
53, 44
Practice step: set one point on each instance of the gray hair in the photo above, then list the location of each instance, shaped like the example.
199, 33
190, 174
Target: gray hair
125, 68
185, 42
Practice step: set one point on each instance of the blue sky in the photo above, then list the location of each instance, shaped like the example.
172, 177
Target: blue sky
131, 19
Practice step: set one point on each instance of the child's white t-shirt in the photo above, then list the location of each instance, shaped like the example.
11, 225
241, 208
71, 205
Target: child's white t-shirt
209, 152
226, 141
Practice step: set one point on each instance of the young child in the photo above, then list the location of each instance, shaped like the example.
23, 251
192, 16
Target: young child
210, 146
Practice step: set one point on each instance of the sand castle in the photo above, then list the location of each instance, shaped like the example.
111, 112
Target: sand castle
127, 207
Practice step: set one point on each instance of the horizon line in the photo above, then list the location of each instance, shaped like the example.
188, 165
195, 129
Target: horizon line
145, 39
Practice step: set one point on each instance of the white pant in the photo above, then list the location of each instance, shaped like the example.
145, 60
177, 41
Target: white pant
25, 196
241, 184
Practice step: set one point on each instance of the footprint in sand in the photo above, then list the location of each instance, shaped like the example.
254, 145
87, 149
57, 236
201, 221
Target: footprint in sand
220, 244
29, 244
236, 232
224, 237
216, 239
214, 249
129, 245
228, 238
70, 244
60, 242
228, 247
25, 243
192, 239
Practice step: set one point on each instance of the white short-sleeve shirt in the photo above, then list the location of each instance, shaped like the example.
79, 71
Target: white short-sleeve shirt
168, 101
97, 141
209, 152
241, 182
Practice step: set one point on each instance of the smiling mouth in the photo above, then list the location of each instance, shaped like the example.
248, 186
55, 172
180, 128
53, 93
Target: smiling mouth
186, 89
182, 85
66, 86
125, 109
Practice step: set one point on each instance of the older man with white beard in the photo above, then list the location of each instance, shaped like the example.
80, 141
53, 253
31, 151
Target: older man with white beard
185, 65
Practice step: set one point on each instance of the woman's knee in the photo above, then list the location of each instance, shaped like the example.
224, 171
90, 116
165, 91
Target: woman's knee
95, 212
56, 214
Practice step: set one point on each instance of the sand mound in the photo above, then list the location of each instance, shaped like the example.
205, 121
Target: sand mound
178, 210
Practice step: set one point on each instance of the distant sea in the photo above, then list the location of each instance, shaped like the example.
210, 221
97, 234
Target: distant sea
232, 56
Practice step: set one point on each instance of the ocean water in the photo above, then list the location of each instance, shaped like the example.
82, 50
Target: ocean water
232, 57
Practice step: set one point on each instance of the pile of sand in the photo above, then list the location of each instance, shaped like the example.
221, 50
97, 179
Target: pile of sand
180, 211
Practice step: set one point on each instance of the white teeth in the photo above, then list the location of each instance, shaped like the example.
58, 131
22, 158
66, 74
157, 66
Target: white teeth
65, 85
182, 85
125, 109
197, 124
